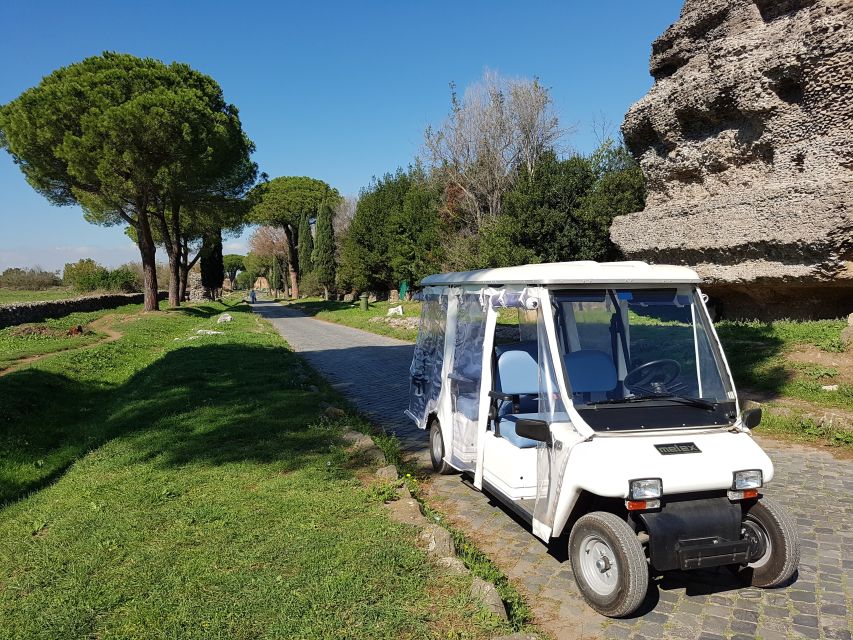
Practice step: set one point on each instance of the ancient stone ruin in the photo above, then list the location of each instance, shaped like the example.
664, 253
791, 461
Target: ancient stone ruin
746, 142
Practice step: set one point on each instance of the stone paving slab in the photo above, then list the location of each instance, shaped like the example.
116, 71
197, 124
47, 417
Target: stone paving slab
373, 370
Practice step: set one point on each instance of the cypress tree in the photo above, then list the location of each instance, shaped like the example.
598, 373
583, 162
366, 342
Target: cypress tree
305, 246
212, 264
324, 252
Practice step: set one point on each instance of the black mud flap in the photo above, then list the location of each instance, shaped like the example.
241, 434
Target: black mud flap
694, 534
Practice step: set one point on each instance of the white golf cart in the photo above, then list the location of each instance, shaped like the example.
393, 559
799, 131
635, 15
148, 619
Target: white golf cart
607, 413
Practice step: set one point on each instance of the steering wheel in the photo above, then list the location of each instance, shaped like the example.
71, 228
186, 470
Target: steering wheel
653, 377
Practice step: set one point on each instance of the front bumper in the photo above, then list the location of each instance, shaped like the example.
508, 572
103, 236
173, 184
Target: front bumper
695, 534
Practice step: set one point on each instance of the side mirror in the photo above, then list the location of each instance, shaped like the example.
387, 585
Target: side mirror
533, 429
751, 416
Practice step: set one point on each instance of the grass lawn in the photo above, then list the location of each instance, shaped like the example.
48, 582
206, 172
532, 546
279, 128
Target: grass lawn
786, 364
373, 320
759, 355
52, 335
8, 296
162, 487
800, 372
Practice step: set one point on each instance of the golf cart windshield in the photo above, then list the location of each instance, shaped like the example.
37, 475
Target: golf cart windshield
641, 359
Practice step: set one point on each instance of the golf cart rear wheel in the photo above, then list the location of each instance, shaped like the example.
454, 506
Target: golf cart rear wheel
770, 529
436, 449
609, 564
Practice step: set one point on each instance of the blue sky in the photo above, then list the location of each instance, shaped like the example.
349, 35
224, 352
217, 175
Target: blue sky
340, 91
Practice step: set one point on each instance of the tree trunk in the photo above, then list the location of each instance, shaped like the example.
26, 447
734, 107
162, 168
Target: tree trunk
173, 245
292, 262
185, 270
170, 232
283, 265
147, 252
175, 279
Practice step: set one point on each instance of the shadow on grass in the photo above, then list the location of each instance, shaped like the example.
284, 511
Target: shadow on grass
312, 308
211, 404
752, 351
198, 311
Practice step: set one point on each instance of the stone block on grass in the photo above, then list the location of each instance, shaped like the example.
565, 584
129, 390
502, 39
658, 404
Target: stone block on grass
486, 593
452, 564
388, 472
437, 541
356, 440
406, 510
334, 412
372, 455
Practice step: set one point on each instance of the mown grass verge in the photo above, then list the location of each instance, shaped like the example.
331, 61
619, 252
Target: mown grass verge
175, 485
50, 336
373, 320
10, 296
801, 427
376, 319
758, 355
519, 613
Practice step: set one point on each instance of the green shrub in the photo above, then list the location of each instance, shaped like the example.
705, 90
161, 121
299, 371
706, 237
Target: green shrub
310, 285
88, 275
245, 280
122, 279
34, 279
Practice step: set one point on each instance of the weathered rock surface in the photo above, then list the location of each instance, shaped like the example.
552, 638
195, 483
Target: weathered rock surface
847, 333
437, 541
372, 455
406, 510
486, 593
388, 472
745, 141
452, 564
356, 440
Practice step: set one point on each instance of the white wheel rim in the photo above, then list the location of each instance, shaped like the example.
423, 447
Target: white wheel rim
768, 544
598, 565
436, 447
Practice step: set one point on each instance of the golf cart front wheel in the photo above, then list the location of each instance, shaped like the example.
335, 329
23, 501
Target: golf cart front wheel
609, 564
436, 449
775, 544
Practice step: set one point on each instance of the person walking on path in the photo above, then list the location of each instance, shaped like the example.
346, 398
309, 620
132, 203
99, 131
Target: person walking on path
253, 298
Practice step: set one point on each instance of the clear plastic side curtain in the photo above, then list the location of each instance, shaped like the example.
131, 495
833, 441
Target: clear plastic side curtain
428, 360
551, 457
465, 378
485, 385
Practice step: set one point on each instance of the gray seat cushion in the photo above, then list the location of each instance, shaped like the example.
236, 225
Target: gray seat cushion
508, 424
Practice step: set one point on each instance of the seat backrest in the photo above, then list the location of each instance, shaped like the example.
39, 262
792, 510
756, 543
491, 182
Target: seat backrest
590, 371
518, 371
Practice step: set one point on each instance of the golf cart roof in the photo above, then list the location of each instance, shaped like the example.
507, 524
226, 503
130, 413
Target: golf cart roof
571, 273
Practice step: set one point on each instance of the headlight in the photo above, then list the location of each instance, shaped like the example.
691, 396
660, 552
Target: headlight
748, 479
645, 489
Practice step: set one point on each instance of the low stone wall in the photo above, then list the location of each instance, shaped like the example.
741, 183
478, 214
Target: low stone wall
22, 312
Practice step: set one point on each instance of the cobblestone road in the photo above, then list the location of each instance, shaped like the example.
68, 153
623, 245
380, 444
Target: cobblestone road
708, 605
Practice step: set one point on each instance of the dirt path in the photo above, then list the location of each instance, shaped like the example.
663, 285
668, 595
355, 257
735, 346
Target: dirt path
101, 325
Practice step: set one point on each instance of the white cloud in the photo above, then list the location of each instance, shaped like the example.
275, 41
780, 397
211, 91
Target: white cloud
235, 246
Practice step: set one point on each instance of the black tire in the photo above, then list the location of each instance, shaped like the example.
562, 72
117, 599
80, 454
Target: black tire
629, 580
780, 542
436, 449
